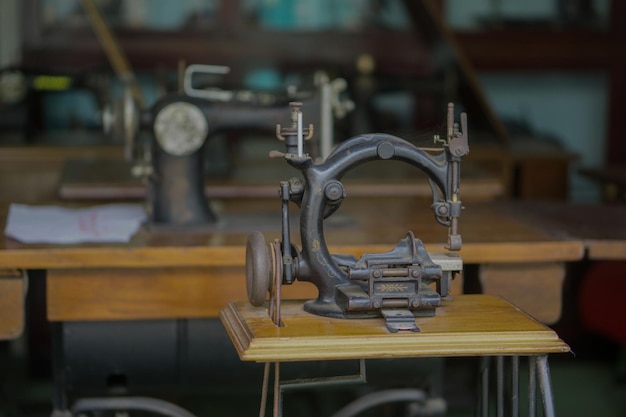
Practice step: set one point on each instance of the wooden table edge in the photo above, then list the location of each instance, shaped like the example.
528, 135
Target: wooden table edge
376, 346
46, 257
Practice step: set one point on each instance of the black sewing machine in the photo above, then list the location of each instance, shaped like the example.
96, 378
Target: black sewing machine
171, 162
400, 284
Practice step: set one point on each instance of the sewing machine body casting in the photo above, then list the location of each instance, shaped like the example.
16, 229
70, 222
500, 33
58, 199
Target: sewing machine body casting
400, 284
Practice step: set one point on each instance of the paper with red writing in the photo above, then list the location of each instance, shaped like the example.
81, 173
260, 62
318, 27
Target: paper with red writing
60, 225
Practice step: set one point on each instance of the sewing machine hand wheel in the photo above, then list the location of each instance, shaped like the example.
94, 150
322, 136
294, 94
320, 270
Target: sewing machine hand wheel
122, 122
263, 267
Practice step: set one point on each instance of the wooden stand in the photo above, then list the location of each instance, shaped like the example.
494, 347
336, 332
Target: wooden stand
468, 325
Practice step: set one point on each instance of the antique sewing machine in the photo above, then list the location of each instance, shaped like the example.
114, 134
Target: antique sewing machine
171, 161
398, 285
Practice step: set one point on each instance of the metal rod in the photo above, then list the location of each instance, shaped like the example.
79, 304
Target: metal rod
112, 49
482, 409
500, 386
60, 400
99, 406
286, 234
266, 379
300, 137
515, 386
395, 272
450, 121
485, 385
532, 387
277, 299
545, 386
278, 398
326, 131
326, 381
279, 387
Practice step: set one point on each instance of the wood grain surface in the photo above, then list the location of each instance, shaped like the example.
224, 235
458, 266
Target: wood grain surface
537, 288
155, 293
101, 178
491, 233
468, 325
12, 294
601, 227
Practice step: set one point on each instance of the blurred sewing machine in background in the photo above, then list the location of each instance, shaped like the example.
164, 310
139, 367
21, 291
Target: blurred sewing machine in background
393, 92
167, 145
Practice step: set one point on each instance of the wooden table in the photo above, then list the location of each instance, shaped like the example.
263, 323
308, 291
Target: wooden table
195, 275
110, 179
161, 275
602, 277
601, 227
468, 325
175, 275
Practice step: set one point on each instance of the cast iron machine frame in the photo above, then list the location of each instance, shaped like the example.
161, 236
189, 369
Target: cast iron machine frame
398, 285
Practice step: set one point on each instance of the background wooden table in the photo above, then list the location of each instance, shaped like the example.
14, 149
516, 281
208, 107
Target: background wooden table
176, 275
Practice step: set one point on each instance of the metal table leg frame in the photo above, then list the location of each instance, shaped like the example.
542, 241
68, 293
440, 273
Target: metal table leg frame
539, 369
60, 402
280, 387
482, 402
506, 389
545, 386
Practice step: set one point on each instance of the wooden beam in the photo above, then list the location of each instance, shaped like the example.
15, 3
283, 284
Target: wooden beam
429, 24
615, 144
159, 293
537, 50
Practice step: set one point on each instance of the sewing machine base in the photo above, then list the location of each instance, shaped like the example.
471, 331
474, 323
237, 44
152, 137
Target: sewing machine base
334, 311
396, 312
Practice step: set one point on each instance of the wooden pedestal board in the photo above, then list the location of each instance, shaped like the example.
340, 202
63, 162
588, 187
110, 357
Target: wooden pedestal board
468, 325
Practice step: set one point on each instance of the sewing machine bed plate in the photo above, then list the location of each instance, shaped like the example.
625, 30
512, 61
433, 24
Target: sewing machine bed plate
468, 325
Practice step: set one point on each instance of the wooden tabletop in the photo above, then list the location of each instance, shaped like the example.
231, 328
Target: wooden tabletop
110, 178
491, 233
600, 227
468, 325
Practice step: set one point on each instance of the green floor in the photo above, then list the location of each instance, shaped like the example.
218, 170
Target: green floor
586, 385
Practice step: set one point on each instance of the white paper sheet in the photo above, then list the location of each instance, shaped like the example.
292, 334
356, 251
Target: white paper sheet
52, 224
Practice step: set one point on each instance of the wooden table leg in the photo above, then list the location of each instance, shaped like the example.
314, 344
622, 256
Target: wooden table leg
12, 294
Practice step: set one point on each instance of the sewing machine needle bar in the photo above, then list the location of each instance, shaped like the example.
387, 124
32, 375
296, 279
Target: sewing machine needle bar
300, 136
